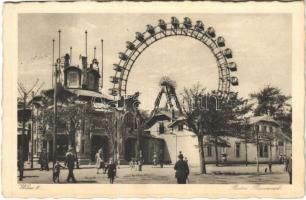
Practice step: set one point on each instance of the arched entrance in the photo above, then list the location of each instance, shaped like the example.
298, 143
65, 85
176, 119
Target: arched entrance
97, 142
129, 136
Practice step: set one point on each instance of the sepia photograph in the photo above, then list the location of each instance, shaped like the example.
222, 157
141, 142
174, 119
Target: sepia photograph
155, 98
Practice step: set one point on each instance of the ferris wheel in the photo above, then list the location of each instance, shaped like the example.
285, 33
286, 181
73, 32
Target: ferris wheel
175, 28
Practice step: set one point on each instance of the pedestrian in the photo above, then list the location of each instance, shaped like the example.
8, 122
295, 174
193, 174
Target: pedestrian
286, 162
224, 158
154, 158
20, 165
289, 169
132, 163
101, 152
70, 159
99, 161
186, 160
270, 166
140, 161
43, 160
118, 160
161, 158
111, 171
280, 157
182, 170
56, 172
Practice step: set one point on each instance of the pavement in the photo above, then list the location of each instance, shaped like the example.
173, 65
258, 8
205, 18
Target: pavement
236, 174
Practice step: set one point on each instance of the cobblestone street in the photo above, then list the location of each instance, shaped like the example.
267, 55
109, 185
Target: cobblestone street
237, 174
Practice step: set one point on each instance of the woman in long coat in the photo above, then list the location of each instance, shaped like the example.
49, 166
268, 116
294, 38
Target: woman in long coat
99, 160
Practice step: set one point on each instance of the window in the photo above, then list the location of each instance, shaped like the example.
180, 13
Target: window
73, 79
180, 127
237, 150
91, 81
271, 129
209, 154
263, 150
135, 123
257, 128
280, 143
161, 127
266, 150
130, 122
263, 128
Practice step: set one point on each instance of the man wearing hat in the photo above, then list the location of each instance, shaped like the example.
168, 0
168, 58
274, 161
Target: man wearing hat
70, 159
182, 170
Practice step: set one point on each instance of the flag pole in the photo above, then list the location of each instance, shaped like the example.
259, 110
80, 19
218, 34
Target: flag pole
55, 98
101, 65
53, 64
70, 55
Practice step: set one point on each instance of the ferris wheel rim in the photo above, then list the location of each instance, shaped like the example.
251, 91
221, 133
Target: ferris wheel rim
223, 73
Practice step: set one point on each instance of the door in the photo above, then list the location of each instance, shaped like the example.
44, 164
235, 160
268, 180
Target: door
97, 142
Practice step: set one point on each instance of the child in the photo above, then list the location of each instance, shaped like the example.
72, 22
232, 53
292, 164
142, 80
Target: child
111, 171
132, 164
56, 172
186, 160
154, 158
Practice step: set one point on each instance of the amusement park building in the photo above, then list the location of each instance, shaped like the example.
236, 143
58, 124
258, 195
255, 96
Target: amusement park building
117, 135
178, 138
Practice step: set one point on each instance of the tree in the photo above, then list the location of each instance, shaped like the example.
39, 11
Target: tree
285, 120
270, 101
221, 116
193, 116
212, 115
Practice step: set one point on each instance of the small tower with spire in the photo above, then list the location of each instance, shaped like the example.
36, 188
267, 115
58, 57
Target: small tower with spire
86, 77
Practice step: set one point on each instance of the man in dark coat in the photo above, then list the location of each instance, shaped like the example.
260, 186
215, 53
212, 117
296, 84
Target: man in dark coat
111, 171
182, 170
70, 159
289, 169
20, 165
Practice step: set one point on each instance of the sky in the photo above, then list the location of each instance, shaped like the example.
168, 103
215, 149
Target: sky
261, 45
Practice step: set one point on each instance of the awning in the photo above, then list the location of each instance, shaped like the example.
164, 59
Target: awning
62, 93
263, 118
176, 122
91, 94
220, 142
157, 117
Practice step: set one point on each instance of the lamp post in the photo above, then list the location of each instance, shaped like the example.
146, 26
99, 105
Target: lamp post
257, 148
